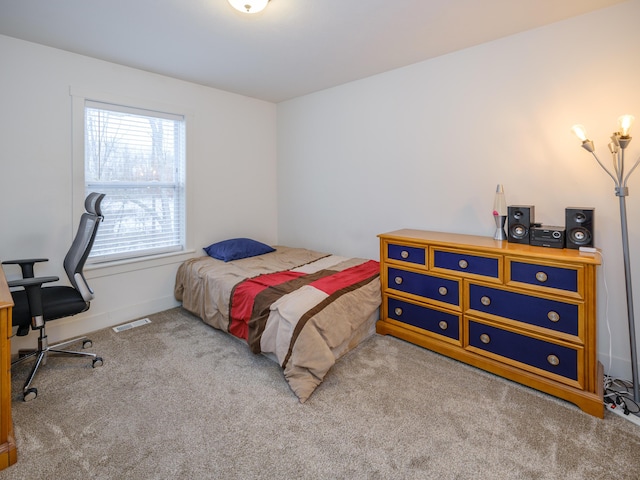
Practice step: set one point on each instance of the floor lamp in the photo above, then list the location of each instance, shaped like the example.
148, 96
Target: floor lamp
619, 142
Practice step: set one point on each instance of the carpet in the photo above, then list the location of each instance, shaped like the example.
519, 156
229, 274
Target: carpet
176, 399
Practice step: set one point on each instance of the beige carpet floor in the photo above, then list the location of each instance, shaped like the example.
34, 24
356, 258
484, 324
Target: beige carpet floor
177, 399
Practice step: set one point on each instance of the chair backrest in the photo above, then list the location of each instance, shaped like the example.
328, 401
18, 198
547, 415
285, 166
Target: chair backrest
81, 247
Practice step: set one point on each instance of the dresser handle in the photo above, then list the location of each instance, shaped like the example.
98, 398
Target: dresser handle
443, 325
486, 301
442, 290
463, 264
404, 254
541, 277
553, 360
398, 311
484, 338
553, 316
398, 280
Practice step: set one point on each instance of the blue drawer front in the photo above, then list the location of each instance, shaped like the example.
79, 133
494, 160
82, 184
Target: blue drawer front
424, 286
527, 350
425, 318
474, 264
561, 278
407, 254
525, 308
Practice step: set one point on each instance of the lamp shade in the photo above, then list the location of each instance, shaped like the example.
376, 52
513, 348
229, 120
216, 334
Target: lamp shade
249, 6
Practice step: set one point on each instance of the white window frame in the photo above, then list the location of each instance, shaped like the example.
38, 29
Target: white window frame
79, 99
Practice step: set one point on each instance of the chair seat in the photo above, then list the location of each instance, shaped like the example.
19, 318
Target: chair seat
58, 302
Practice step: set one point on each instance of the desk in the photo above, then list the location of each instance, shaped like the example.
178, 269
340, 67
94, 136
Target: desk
8, 452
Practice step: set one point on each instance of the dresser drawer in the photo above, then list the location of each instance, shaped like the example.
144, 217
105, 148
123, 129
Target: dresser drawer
430, 319
466, 263
527, 351
412, 255
552, 314
546, 276
425, 286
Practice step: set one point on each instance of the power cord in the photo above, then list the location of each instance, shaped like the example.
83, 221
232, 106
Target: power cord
606, 307
618, 394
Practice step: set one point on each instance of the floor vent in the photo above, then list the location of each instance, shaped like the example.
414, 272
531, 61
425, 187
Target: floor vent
130, 325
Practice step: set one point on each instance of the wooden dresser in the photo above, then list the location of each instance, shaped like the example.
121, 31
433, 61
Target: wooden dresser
522, 312
8, 454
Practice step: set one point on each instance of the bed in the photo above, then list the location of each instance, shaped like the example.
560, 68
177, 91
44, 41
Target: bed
301, 308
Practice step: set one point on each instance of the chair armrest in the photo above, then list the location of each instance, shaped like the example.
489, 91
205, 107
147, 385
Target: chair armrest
33, 287
26, 265
31, 281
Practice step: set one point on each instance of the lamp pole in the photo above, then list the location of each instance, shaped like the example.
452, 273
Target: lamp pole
619, 142
622, 195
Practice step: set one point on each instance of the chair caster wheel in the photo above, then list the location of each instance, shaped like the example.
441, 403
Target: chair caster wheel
30, 394
97, 362
87, 344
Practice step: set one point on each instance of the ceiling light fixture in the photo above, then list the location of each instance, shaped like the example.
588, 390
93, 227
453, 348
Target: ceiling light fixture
249, 6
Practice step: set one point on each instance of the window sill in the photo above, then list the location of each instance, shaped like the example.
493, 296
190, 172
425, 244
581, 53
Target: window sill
106, 269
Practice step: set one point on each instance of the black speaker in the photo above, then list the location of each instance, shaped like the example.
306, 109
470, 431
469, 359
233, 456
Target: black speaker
579, 227
519, 221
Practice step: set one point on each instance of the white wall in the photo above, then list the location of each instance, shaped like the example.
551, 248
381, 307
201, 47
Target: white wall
231, 142
424, 147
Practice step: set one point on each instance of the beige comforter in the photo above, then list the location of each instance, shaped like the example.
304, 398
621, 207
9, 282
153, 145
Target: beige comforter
306, 326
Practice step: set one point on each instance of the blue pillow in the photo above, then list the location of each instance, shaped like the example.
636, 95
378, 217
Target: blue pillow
237, 248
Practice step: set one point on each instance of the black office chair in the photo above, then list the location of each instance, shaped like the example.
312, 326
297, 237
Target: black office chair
36, 305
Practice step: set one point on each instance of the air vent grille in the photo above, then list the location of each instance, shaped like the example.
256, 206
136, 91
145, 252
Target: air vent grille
130, 325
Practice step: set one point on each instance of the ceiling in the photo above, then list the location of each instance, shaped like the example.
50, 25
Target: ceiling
292, 48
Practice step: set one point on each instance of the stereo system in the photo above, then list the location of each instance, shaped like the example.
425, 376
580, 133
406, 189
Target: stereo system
519, 221
544, 236
579, 225
577, 232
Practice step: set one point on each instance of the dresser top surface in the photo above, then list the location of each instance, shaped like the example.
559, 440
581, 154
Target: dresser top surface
488, 244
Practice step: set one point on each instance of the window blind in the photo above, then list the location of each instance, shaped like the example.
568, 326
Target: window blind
137, 158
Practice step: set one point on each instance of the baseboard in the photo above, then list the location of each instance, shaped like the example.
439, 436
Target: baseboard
92, 321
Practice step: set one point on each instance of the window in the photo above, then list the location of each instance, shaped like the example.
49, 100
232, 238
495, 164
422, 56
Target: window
137, 158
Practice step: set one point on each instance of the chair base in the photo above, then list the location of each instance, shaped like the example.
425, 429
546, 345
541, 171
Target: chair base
41, 354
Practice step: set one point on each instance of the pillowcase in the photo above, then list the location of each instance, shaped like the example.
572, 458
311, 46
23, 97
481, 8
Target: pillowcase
237, 248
